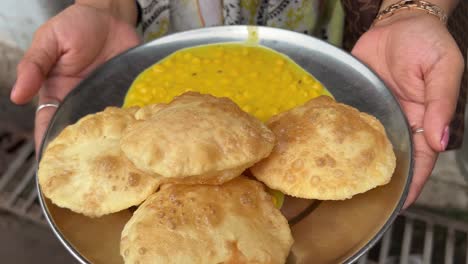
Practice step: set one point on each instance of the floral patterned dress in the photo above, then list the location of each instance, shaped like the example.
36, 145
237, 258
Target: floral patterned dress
320, 18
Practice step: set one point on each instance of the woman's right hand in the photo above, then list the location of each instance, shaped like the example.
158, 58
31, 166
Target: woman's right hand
64, 51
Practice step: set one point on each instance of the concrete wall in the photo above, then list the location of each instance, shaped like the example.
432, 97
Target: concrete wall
19, 19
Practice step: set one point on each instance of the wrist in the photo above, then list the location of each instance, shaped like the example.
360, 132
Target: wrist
125, 10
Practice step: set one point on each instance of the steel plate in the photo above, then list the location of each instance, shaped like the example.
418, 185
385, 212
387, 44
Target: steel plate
326, 232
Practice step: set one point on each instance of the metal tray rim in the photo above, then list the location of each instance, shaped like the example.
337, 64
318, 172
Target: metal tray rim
168, 38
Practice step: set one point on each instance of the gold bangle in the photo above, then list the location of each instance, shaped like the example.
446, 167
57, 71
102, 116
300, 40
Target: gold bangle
413, 4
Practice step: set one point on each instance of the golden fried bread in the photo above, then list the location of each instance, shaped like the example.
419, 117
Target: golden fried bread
84, 170
148, 111
198, 136
231, 223
207, 178
326, 151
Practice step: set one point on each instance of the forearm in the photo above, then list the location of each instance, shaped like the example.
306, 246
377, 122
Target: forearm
125, 10
447, 5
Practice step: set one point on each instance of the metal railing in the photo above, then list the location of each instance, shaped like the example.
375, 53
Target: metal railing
418, 236
18, 194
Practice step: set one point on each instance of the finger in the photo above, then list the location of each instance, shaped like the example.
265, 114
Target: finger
54, 90
442, 83
35, 65
424, 160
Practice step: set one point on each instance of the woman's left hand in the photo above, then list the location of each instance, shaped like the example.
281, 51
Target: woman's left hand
418, 59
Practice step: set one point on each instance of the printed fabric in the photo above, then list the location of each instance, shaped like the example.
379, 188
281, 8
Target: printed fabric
321, 18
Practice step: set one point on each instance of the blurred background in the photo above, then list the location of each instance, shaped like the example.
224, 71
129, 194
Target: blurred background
435, 230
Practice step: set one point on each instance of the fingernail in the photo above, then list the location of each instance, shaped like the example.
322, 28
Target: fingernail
13, 88
445, 138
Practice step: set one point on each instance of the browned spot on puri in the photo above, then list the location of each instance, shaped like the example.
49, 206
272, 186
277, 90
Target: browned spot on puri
330, 161
142, 251
133, 179
325, 161
320, 162
106, 164
367, 156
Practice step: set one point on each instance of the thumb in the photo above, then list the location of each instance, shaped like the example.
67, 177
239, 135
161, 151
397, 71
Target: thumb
35, 65
442, 83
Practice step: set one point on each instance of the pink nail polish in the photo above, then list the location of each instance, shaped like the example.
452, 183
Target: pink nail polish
445, 138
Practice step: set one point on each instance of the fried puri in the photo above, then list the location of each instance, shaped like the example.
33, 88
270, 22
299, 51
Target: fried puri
231, 223
148, 111
198, 139
84, 169
328, 151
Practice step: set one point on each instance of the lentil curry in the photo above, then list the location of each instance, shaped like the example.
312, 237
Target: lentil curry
261, 81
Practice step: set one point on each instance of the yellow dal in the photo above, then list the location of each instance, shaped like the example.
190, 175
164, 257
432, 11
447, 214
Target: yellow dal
261, 81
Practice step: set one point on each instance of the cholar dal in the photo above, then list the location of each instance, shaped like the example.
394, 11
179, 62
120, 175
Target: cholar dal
261, 81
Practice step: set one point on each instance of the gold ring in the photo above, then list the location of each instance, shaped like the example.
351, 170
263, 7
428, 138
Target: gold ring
50, 104
418, 130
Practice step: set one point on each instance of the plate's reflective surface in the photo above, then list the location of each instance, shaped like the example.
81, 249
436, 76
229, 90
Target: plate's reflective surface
326, 232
